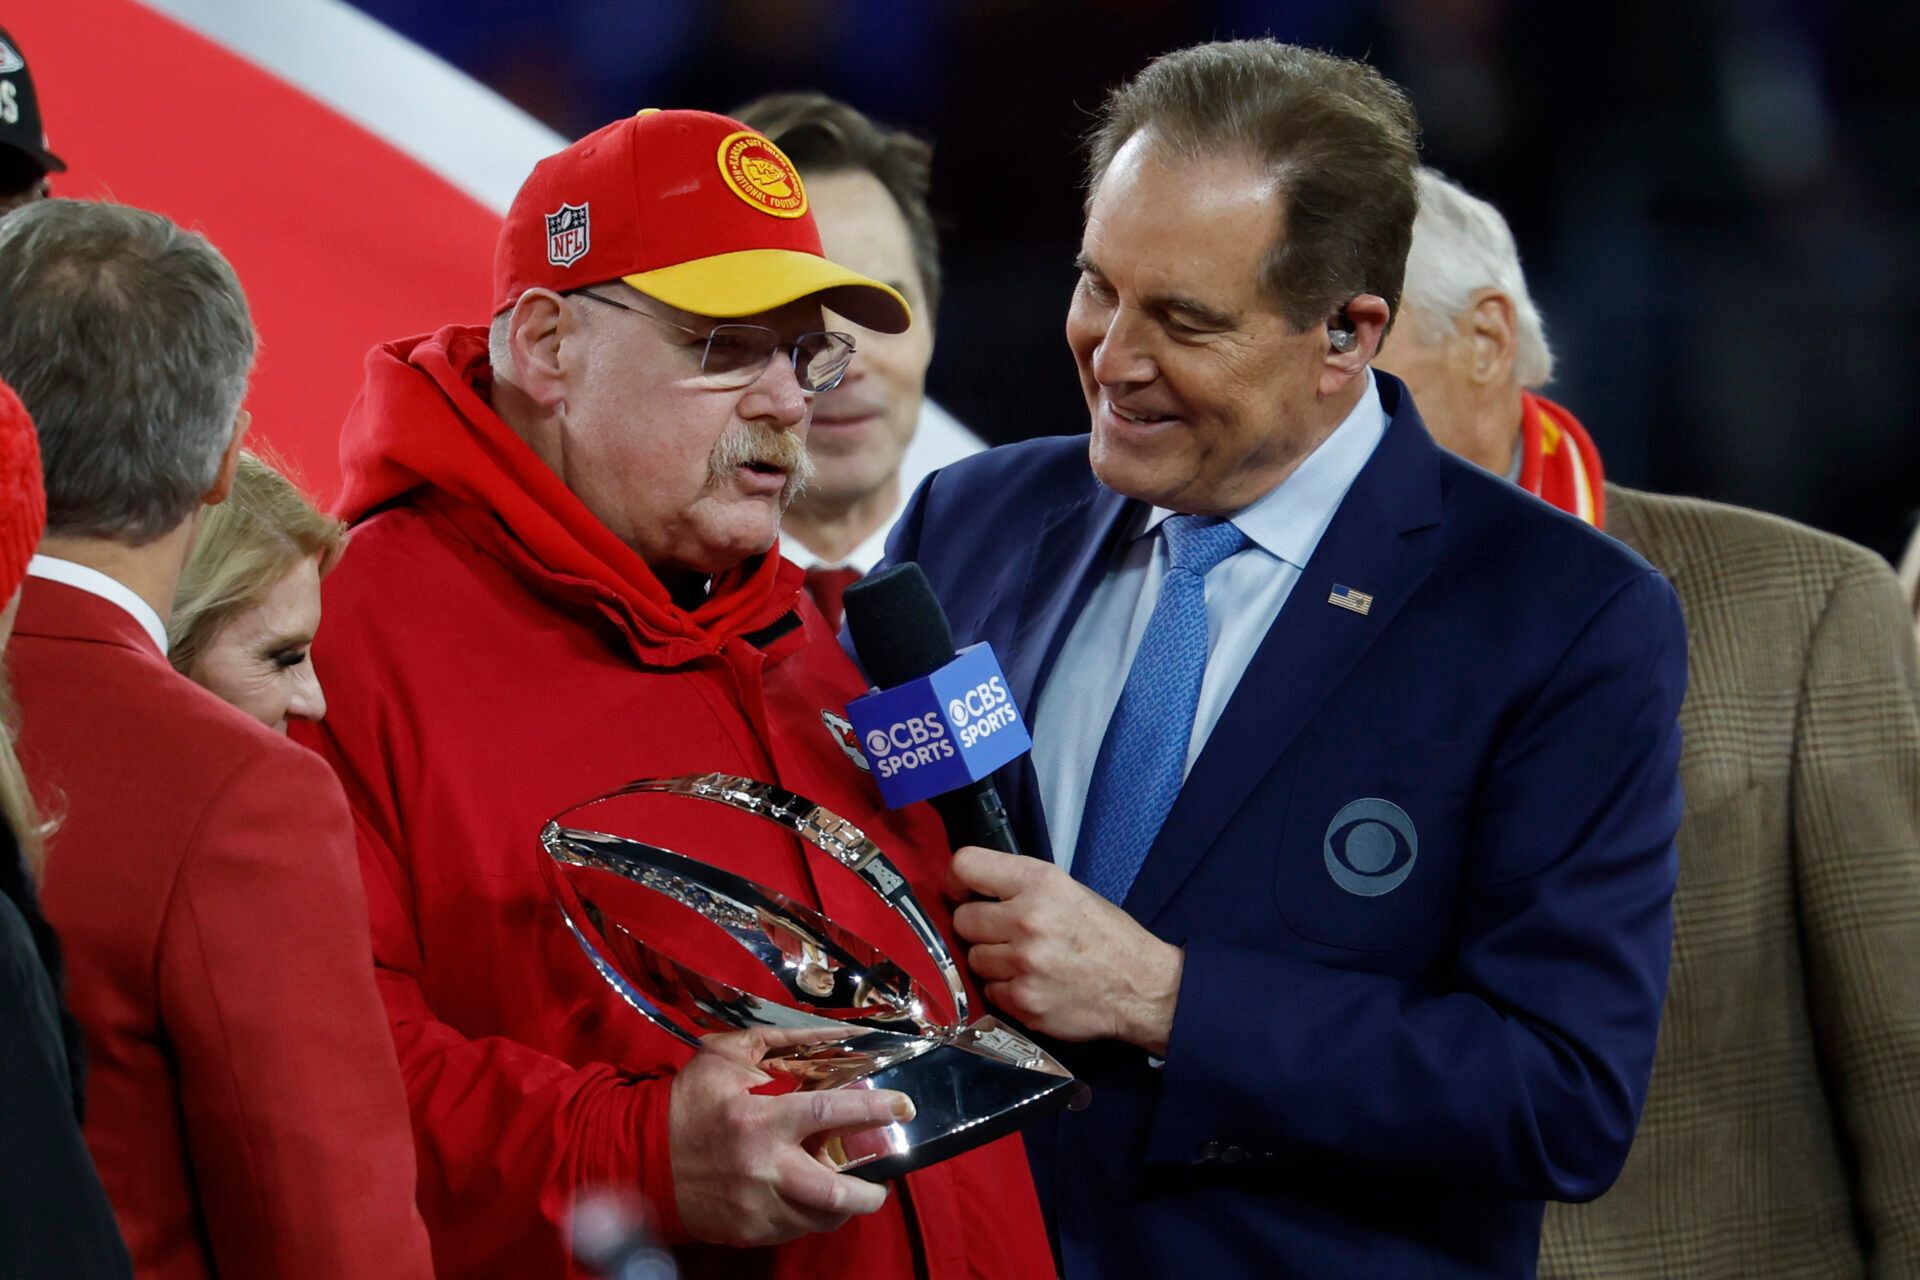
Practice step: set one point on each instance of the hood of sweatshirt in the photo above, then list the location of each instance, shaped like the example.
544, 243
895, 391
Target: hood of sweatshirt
423, 425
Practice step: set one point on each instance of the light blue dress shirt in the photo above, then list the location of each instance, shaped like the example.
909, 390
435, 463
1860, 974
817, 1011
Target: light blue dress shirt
1245, 593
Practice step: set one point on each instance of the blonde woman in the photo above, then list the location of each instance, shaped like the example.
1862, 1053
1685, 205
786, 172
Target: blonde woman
54, 1216
248, 603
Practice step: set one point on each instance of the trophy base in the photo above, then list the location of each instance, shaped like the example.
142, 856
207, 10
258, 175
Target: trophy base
984, 1083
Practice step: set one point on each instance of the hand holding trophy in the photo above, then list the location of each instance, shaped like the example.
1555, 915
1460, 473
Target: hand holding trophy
873, 1026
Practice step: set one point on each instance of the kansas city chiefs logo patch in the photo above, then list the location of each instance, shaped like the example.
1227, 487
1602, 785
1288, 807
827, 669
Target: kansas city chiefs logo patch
842, 730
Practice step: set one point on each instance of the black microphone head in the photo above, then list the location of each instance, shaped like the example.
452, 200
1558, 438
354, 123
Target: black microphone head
898, 627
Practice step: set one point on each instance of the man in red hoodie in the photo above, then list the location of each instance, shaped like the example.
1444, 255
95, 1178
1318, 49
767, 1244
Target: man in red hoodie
564, 578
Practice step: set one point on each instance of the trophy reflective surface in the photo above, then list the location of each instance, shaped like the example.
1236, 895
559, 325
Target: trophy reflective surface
970, 1082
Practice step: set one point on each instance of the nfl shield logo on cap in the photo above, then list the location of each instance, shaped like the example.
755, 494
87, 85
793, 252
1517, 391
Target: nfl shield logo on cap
567, 240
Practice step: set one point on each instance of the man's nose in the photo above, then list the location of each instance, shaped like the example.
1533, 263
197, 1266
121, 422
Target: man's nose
1123, 354
775, 396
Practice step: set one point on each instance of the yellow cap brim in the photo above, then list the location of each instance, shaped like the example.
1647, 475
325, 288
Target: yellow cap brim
755, 280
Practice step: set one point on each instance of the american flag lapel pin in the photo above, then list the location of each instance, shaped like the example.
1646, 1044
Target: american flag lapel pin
1347, 598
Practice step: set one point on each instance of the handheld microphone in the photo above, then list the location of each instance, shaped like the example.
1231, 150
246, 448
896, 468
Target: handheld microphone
942, 721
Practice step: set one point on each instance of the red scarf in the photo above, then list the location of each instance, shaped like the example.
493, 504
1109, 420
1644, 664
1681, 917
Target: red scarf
1558, 461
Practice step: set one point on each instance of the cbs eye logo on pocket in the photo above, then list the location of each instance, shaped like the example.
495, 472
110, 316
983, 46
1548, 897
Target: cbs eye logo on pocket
1370, 847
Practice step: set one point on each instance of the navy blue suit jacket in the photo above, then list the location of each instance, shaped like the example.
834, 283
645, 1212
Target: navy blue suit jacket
1364, 1083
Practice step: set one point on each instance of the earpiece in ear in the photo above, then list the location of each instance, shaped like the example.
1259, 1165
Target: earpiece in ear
1340, 334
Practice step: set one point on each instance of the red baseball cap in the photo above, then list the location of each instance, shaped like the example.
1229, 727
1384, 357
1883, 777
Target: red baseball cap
689, 207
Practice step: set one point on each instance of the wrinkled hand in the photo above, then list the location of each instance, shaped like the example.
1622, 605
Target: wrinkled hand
743, 1169
1061, 958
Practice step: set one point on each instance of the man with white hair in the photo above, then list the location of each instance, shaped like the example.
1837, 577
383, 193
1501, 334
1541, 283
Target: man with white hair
1471, 344
565, 577
1781, 1124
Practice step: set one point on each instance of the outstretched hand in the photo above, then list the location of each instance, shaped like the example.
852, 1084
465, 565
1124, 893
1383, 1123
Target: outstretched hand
744, 1172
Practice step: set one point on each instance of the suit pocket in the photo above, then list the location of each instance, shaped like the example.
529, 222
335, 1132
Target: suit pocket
1371, 850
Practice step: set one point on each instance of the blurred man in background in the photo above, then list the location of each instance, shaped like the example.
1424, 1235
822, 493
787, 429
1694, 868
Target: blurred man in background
1488, 415
25, 161
1353, 773
1784, 1114
868, 186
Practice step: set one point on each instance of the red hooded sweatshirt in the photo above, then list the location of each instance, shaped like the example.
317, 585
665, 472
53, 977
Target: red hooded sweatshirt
493, 655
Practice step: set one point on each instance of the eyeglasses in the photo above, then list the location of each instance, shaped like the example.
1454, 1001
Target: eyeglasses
736, 354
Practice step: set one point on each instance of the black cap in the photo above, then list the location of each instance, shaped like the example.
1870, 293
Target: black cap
20, 110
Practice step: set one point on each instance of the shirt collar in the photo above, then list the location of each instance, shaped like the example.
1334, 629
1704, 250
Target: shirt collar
1289, 521
95, 583
863, 557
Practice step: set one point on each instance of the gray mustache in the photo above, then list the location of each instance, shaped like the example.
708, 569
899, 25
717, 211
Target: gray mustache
749, 442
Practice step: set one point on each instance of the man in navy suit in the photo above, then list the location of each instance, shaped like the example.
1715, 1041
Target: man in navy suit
1353, 789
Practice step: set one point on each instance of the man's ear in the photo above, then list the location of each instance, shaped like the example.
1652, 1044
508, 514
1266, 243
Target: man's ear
536, 330
1492, 329
1353, 337
229, 462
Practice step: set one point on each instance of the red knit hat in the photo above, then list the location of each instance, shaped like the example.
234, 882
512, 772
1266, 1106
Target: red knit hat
23, 496
689, 207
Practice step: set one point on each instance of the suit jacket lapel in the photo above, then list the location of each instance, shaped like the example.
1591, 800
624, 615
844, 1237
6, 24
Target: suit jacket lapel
1382, 541
1068, 557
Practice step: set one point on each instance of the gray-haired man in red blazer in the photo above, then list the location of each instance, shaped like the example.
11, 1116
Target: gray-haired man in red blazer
246, 1111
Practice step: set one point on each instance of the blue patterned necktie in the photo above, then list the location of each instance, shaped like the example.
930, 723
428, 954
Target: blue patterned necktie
1143, 757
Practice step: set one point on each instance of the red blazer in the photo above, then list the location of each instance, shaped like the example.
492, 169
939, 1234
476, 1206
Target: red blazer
244, 1103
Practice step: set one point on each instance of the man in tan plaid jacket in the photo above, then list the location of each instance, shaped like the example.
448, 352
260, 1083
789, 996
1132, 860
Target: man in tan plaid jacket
1781, 1135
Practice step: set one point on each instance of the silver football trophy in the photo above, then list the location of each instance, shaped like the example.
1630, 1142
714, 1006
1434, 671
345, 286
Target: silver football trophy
970, 1082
